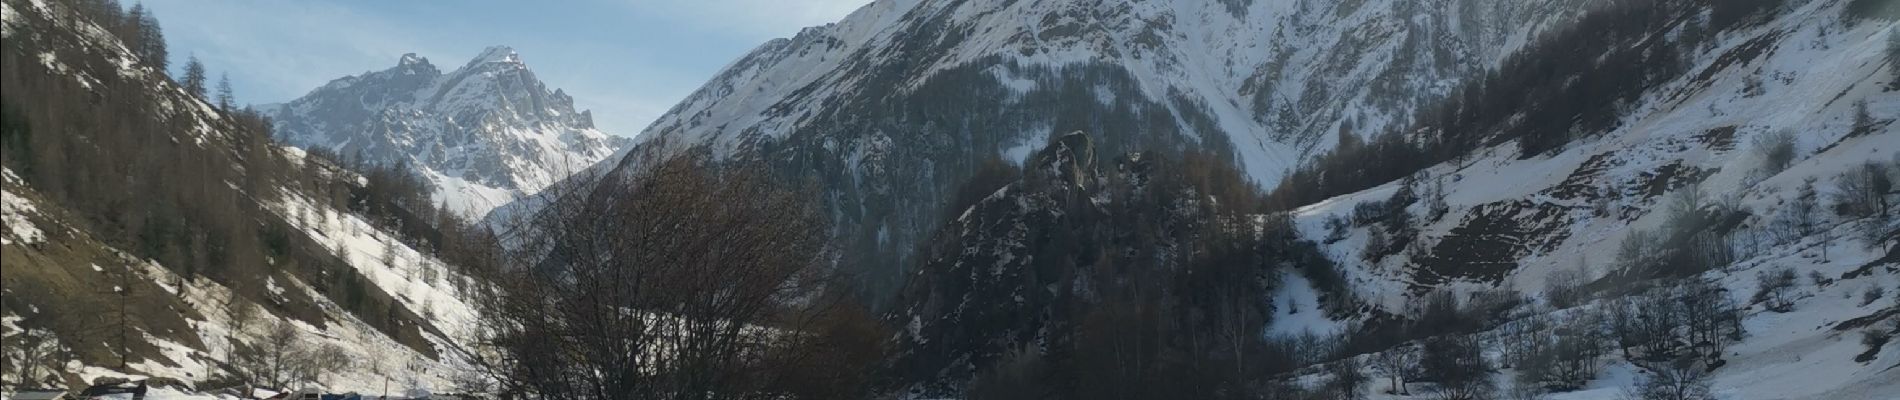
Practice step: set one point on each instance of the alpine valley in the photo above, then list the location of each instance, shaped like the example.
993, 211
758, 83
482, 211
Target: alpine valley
992, 199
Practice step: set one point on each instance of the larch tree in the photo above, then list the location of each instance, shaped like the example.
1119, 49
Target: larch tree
226, 99
194, 80
129, 27
1893, 57
142, 34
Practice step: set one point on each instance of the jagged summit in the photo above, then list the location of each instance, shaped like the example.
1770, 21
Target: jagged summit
498, 54
411, 59
484, 134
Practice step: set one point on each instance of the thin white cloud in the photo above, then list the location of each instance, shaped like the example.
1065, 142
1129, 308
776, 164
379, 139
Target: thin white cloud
277, 50
763, 18
283, 48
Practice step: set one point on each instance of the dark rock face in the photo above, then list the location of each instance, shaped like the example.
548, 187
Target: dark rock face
1487, 244
1011, 270
1051, 263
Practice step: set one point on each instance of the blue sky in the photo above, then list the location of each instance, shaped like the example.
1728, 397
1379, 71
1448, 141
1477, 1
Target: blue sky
627, 60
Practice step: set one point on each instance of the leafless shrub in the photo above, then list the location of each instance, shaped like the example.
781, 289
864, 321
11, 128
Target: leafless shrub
687, 279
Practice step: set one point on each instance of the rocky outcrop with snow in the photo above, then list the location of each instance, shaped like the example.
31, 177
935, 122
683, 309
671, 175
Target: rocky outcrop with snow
485, 133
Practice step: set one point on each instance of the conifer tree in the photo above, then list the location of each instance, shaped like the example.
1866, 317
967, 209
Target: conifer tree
1893, 53
106, 13
226, 100
140, 32
194, 80
128, 28
152, 42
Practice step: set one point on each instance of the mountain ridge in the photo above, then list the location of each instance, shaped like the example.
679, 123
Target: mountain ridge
483, 134
898, 102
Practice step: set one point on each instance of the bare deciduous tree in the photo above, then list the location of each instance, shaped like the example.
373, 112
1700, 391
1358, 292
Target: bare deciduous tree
309, 361
1710, 316
270, 359
1777, 151
1564, 288
1775, 289
1459, 368
1863, 191
28, 349
239, 313
1346, 380
1396, 364
1681, 379
284, 358
685, 280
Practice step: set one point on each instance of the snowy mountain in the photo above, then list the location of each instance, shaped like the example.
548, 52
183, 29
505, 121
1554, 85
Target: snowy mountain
484, 134
1702, 195
1681, 191
891, 108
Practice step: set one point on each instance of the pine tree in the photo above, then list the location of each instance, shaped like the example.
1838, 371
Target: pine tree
1802, 216
226, 100
131, 30
1863, 120
1893, 52
105, 13
194, 80
1893, 58
151, 40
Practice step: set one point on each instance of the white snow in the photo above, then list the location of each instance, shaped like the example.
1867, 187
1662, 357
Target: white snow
14, 211
1329, 64
418, 281
1815, 80
15, 217
1298, 310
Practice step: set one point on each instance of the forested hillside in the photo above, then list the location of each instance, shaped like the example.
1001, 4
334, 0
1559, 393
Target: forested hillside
154, 231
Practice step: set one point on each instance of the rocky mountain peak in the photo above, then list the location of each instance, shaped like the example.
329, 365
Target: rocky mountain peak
411, 59
497, 54
485, 133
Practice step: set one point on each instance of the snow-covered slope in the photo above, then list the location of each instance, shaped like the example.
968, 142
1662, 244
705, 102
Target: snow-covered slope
395, 315
485, 133
1513, 221
1509, 221
1575, 206
1273, 77
198, 337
